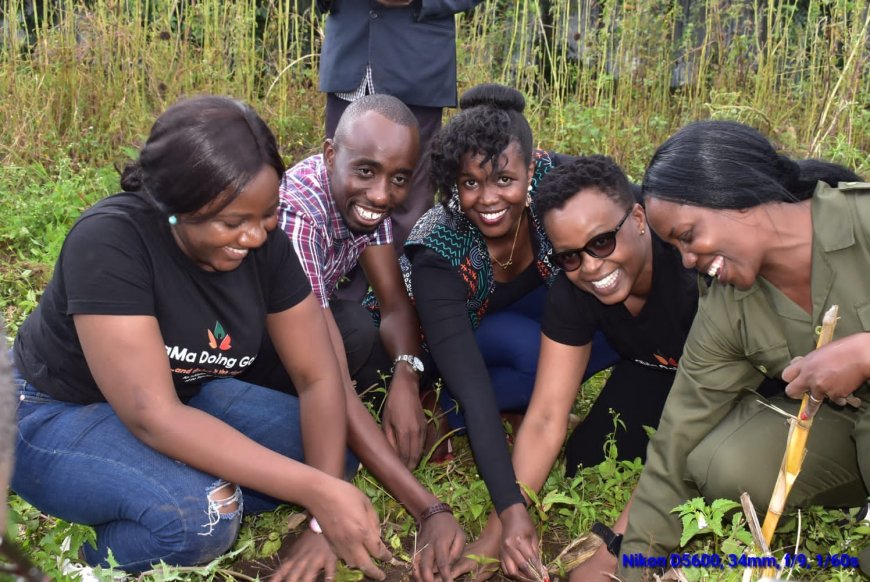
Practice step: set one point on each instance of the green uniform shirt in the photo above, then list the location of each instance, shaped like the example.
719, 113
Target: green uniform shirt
737, 338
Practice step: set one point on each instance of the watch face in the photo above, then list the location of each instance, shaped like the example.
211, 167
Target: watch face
416, 364
413, 361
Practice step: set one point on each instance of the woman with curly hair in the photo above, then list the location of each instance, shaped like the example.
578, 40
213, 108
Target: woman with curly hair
478, 268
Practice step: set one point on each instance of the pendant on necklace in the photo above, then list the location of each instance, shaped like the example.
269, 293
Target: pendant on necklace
510, 260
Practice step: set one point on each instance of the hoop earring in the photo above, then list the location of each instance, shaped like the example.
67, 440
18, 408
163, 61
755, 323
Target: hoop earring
173, 220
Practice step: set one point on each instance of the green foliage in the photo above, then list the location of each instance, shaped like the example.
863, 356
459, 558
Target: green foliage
39, 206
81, 86
48, 541
597, 493
720, 529
261, 535
698, 518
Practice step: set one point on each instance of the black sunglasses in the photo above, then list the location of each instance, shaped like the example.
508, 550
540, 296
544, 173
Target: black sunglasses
600, 247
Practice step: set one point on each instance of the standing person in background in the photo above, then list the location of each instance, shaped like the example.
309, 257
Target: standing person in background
401, 48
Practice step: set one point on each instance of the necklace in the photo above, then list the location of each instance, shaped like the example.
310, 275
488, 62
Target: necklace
510, 260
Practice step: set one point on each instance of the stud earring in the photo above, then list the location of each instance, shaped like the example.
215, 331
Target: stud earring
529, 196
173, 220
642, 231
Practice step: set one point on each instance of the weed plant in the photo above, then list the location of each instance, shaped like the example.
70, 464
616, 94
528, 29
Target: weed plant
82, 80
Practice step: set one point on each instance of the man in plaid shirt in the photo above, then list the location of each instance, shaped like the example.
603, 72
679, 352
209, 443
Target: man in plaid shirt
335, 207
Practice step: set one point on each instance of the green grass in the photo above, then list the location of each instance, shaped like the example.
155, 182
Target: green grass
81, 86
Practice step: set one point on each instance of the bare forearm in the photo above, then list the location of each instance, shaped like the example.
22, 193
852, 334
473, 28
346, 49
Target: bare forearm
400, 331
304, 343
621, 522
324, 434
369, 444
538, 444
205, 443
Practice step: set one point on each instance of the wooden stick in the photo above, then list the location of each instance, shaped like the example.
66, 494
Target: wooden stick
754, 525
796, 444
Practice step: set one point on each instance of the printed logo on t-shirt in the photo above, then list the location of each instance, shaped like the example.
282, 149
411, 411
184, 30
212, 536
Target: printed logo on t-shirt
659, 362
670, 362
196, 365
219, 335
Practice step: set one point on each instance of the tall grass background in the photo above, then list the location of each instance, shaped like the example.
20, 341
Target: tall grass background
84, 79
81, 81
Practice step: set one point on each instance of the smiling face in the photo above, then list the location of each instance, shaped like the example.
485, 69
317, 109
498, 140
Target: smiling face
494, 200
370, 169
221, 242
587, 215
723, 244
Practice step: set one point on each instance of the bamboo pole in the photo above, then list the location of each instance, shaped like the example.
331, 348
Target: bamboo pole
796, 444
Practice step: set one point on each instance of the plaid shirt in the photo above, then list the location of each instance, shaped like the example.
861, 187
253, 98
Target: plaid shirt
309, 216
367, 87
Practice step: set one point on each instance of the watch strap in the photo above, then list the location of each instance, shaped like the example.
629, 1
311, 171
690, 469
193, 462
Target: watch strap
611, 539
413, 361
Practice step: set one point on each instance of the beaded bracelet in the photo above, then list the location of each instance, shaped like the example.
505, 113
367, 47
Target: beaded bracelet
432, 510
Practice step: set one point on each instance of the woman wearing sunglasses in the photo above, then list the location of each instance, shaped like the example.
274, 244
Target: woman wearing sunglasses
617, 278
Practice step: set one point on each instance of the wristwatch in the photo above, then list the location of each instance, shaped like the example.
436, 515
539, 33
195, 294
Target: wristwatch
612, 540
413, 361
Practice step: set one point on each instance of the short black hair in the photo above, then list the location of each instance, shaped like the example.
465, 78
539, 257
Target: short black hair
565, 181
200, 149
490, 119
385, 105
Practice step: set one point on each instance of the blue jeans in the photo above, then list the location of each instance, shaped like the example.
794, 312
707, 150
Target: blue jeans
510, 341
80, 463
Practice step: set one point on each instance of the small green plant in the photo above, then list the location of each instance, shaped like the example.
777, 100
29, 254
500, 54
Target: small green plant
717, 530
698, 518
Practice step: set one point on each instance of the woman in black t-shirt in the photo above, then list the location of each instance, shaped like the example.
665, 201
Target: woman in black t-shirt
130, 418
617, 278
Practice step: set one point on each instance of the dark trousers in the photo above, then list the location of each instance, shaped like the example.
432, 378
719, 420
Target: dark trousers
637, 393
510, 341
362, 346
420, 198
367, 359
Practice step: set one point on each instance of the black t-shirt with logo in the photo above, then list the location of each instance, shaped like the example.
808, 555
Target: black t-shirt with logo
654, 338
120, 258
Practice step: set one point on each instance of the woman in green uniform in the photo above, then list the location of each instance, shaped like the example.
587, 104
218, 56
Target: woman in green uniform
780, 242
